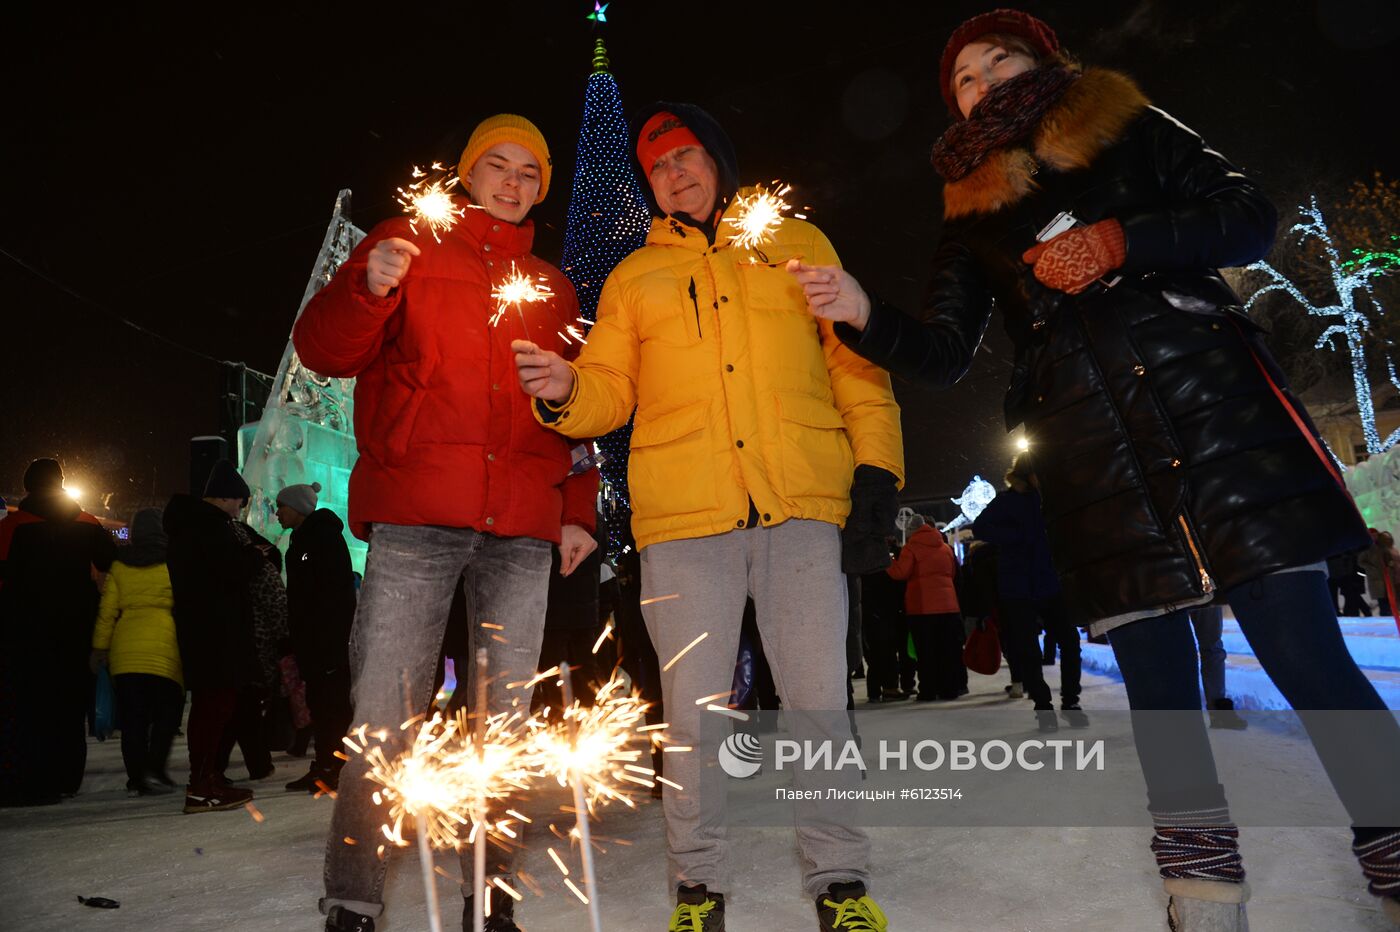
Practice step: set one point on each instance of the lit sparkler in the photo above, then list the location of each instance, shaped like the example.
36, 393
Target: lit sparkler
457, 768
590, 753
517, 289
427, 200
758, 216
595, 747
446, 770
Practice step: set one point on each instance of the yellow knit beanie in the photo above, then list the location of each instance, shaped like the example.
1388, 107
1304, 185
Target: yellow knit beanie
506, 127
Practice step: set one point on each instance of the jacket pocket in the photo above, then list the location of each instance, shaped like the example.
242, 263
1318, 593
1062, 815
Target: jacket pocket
395, 418
672, 469
814, 451
1195, 553
671, 310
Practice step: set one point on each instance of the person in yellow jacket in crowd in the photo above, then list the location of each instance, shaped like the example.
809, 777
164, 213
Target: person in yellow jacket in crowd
757, 438
135, 638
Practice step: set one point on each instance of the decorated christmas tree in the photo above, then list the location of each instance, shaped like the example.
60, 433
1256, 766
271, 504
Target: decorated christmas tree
608, 219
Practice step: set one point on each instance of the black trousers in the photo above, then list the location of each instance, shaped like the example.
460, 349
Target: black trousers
46, 697
1021, 620
573, 646
149, 708
1353, 604
938, 640
51, 695
889, 665
1013, 659
246, 726
328, 700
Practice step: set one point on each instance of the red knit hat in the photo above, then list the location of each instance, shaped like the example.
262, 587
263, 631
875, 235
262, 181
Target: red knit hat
659, 135
1008, 22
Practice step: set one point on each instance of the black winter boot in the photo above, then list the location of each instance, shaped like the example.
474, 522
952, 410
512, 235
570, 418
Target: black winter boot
1223, 715
340, 919
502, 918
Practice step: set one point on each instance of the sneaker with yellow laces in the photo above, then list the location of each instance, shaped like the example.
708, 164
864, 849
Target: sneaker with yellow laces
697, 910
847, 908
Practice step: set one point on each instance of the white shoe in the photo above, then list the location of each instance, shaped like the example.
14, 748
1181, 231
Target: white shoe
1206, 905
1017, 691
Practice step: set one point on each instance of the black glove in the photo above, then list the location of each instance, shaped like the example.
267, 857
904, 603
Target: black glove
874, 507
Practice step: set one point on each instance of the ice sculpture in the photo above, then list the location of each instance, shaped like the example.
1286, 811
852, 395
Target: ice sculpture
306, 433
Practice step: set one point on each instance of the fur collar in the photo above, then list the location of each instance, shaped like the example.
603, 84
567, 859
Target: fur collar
1092, 115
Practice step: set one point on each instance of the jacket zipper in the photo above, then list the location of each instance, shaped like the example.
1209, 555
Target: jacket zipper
1207, 584
696, 303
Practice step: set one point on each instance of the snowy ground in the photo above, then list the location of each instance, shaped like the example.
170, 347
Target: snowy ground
225, 870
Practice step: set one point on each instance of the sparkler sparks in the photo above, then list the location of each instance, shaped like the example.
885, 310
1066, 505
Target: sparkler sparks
758, 216
456, 770
427, 200
446, 771
517, 289
595, 746
684, 650
449, 773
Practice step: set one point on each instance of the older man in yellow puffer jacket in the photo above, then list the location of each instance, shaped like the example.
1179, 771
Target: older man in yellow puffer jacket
135, 638
755, 431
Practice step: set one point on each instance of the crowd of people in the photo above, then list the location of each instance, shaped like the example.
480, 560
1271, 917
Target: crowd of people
1171, 472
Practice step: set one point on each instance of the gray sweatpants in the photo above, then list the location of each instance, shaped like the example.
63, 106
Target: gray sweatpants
793, 572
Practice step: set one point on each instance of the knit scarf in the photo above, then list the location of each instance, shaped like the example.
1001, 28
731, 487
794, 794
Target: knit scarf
1008, 113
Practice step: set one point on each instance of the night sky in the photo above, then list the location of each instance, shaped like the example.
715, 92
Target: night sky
180, 172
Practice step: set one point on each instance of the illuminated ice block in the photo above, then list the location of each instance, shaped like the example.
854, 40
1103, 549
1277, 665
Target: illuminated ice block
306, 433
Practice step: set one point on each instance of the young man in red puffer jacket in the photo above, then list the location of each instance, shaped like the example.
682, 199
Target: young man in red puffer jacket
455, 479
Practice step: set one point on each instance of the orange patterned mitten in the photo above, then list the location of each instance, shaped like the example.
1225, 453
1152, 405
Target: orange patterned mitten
1077, 258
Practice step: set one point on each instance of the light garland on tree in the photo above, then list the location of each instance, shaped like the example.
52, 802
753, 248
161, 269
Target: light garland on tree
1349, 279
608, 220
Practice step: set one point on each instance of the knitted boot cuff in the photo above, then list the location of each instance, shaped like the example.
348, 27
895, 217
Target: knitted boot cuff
1208, 852
1380, 862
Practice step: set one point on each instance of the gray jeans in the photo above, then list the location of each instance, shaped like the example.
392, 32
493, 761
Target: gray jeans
410, 575
793, 572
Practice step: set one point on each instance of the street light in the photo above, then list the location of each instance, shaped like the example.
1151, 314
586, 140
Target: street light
73, 492
1022, 443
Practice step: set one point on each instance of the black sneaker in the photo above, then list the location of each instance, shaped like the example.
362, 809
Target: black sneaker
216, 799
846, 907
1045, 719
697, 910
340, 919
502, 918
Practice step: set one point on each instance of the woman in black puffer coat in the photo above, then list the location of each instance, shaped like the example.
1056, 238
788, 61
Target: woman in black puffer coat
1176, 468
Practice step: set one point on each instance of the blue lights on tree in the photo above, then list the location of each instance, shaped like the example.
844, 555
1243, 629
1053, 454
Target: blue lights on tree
1351, 280
608, 219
